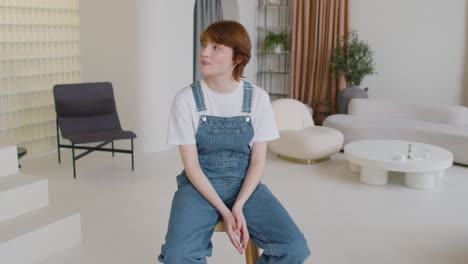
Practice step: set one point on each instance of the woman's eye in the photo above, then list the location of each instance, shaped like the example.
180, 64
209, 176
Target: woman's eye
216, 48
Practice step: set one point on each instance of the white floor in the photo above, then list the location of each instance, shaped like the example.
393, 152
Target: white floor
124, 214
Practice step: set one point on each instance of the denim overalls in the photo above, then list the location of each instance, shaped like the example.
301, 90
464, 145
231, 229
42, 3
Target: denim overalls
224, 154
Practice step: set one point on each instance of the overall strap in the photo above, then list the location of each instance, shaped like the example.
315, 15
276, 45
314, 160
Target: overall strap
198, 94
247, 102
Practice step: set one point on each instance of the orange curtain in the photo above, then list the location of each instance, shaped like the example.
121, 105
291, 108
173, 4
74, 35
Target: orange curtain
315, 27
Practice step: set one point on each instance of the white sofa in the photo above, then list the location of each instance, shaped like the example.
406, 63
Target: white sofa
440, 125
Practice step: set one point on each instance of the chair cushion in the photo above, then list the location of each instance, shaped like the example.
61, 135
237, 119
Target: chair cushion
310, 143
101, 136
70, 126
291, 114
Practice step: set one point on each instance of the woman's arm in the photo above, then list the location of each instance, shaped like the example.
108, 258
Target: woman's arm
198, 178
252, 178
254, 173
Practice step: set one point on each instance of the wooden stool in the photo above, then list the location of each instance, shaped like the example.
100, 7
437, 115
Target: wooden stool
251, 253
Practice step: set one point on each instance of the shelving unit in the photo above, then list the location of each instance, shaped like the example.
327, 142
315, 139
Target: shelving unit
273, 68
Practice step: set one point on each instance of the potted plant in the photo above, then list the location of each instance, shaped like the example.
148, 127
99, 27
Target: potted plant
352, 58
277, 42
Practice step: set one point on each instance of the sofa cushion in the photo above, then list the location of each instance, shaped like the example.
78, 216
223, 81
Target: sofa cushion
444, 114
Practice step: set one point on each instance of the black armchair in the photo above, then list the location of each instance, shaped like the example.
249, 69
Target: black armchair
86, 113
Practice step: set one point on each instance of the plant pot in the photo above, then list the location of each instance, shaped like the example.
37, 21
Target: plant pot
345, 95
278, 49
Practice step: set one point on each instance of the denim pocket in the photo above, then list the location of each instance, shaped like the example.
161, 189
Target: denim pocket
225, 139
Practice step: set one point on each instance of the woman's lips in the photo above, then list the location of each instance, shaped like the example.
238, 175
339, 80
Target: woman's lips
204, 63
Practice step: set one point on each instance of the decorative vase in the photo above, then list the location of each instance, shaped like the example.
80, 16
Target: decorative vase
348, 93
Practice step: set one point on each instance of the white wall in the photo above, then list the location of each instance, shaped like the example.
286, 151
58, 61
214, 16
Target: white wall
465, 68
108, 50
248, 18
245, 12
165, 51
230, 9
144, 47
419, 48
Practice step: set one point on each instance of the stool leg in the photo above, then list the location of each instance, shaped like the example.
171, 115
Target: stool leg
73, 155
133, 166
58, 141
251, 253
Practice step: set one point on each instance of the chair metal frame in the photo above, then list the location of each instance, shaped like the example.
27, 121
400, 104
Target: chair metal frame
90, 149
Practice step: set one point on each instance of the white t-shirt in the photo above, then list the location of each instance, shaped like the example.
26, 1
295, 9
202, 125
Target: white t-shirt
184, 117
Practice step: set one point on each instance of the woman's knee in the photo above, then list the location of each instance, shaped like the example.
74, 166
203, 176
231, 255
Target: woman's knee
294, 251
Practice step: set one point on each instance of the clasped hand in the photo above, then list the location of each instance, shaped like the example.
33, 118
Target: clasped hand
236, 228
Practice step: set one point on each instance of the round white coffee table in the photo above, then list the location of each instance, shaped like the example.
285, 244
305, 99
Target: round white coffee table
375, 158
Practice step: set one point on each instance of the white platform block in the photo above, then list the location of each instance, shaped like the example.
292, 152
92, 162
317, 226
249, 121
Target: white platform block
373, 176
22, 193
439, 175
420, 180
35, 236
8, 160
354, 167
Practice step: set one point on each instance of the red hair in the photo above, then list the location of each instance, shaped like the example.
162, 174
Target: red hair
231, 34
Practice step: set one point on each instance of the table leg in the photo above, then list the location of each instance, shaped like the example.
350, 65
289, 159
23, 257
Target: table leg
420, 180
373, 176
354, 167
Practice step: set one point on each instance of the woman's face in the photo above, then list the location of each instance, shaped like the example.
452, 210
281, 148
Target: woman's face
216, 59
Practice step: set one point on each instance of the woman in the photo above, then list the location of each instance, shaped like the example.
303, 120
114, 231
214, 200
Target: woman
222, 125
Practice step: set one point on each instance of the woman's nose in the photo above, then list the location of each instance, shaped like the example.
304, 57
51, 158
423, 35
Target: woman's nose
204, 52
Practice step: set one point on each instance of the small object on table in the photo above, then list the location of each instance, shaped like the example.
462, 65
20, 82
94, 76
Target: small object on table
410, 155
21, 152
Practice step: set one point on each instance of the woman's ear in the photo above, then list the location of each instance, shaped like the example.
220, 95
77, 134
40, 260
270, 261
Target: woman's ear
236, 61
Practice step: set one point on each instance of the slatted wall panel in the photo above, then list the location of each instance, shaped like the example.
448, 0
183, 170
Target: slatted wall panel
39, 47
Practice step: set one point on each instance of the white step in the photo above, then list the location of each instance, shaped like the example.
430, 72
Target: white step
36, 235
8, 160
21, 193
